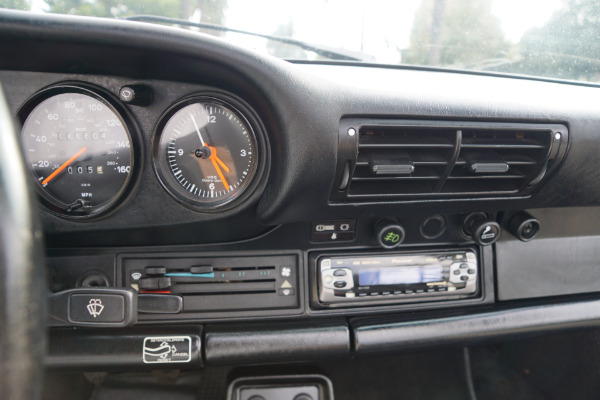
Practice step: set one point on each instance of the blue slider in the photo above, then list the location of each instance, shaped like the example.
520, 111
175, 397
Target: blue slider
190, 275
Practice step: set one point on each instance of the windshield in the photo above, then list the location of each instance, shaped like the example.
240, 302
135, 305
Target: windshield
546, 38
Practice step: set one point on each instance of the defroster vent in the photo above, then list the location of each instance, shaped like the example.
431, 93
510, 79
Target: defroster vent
402, 159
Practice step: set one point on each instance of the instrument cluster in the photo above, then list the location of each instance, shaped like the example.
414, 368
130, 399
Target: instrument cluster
84, 149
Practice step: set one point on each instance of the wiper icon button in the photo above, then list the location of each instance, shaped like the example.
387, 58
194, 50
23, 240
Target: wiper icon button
95, 307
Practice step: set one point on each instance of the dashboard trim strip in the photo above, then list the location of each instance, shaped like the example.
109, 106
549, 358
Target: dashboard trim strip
371, 337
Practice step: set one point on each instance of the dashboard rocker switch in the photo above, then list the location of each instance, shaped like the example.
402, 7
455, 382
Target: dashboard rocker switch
481, 229
97, 307
389, 233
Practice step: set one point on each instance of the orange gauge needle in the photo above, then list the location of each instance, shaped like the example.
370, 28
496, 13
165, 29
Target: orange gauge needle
65, 165
213, 153
216, 161
220, 173
221, 163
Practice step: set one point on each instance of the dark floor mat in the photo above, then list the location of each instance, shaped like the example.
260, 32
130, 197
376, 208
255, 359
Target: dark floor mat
565, 366
71, 386
210, 383
421, 376
433, 375
493, 380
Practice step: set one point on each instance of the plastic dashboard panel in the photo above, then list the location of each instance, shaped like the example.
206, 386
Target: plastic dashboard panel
297, 189
298, 104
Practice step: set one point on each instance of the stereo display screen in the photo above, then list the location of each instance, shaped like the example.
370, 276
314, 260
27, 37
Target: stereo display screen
401, 275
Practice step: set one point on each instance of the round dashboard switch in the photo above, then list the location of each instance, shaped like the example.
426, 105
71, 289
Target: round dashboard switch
389, 234
433, 226
486, 233
481, 229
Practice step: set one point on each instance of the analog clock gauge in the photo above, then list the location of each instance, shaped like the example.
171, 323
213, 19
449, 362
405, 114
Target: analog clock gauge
206, 152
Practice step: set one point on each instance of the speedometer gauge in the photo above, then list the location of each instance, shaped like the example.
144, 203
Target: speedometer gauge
79, 149
206, 152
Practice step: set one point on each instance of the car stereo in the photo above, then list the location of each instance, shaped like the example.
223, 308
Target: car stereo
397, 277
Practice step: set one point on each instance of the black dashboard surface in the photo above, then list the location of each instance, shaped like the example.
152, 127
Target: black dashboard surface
301, 106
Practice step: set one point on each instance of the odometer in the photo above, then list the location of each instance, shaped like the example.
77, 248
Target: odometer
79, 150
205, 152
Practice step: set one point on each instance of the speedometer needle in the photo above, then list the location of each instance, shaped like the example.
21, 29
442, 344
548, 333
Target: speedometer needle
197, 130
65, 165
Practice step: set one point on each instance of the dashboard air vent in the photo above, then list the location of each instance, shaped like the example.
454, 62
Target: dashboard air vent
402, 160
428, 159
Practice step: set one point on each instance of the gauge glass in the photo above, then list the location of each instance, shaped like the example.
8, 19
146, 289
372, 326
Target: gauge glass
206, 154
79, 150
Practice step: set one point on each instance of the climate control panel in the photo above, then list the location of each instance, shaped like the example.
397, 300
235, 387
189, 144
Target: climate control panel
216, 283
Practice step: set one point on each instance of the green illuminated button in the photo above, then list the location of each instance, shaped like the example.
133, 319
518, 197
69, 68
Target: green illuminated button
389, 234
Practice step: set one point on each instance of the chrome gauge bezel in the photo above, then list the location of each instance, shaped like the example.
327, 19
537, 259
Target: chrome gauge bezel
247, 114
51, 205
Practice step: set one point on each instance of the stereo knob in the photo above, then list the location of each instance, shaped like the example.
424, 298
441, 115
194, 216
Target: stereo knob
389, 233
483, 230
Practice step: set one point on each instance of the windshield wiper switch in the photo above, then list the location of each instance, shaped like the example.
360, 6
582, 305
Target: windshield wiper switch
99, 307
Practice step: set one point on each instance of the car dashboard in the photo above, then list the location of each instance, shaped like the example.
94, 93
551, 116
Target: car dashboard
350, 210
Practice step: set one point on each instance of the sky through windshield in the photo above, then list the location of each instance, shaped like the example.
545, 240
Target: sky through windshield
552, 38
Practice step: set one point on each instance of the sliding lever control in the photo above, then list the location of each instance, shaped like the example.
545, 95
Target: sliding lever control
98, 307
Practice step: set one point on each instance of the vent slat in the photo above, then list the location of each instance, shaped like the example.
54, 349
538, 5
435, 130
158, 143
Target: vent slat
503, 146
405, 146
394, 178
415, 163
418, 159
453, 177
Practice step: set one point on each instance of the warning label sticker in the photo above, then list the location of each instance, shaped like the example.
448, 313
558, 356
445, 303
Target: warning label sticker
167, 349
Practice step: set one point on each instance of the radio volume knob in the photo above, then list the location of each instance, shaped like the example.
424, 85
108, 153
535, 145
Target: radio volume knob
389, 233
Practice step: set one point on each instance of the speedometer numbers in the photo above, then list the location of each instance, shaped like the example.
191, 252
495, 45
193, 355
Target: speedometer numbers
79, 149
78, 144
205, 152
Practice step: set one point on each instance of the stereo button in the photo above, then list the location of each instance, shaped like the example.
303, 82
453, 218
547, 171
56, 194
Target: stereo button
339, 284
464, 278
339, 272
470, 271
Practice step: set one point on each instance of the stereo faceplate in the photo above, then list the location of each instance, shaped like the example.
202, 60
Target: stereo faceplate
399, 277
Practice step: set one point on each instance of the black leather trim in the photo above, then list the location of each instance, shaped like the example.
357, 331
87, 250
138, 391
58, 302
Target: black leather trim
120, 349
371, 337
272, 343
